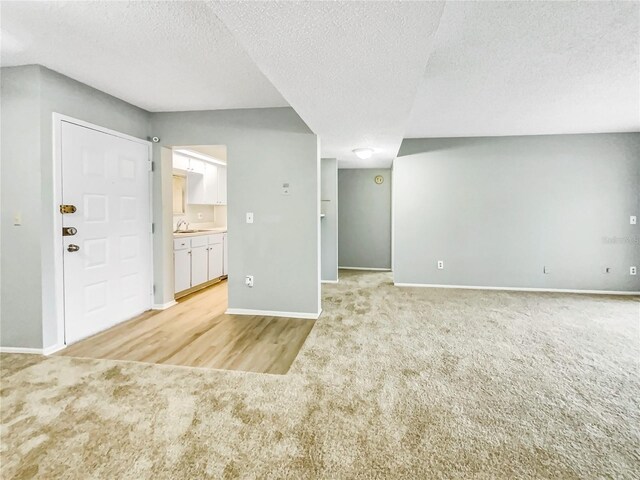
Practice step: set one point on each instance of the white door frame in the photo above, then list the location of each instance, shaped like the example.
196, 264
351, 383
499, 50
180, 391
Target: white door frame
58, 265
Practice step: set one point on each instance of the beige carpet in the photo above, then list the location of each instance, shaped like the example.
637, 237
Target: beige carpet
391, 383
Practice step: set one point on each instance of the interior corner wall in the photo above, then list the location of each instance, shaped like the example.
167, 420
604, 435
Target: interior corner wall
30, 96
498, 210
266, 148
329, 222
364, 219
20, 294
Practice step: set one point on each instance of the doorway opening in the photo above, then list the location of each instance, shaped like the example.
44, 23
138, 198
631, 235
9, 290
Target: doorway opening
199, 210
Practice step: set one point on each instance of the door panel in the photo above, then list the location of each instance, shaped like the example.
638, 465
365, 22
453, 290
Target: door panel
210, 184
108, 279
182, 262
225, 268
222, 186
216, 256
198, 265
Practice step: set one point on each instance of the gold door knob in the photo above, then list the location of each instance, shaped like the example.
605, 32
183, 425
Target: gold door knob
73, 248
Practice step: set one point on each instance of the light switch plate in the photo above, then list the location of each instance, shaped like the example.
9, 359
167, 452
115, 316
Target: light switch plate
249, 217
633, 220
546, 269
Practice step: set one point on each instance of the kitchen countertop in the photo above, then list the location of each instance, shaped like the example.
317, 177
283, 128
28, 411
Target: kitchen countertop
201, 231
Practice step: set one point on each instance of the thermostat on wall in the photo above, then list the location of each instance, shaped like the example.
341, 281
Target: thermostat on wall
379, 179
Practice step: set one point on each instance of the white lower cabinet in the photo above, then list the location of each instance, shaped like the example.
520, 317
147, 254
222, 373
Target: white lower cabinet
198, 260
215, 261
182, 261
225, 271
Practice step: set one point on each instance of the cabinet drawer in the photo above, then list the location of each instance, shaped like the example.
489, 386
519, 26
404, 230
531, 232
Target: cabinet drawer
199, 241
181, 243
215, 238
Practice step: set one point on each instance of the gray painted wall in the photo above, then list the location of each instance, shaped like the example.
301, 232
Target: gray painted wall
364, 219
266, 148
29, 96
498, 210
329, 223
20, 294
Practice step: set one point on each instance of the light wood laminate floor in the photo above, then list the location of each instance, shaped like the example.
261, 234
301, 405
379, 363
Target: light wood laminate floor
197, 333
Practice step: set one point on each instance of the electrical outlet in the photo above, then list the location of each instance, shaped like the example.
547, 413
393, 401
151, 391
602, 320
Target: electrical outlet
633, 220
248, 281
286, 190
200, 215
632, 270
249, 217
440, 265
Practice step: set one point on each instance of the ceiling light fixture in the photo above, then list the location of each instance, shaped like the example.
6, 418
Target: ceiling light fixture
363, 153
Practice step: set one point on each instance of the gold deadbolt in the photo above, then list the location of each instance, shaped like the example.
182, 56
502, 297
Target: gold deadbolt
69, 231
67, 209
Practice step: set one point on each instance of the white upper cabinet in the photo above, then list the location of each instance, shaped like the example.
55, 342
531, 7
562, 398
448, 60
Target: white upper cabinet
196, 166
222, 185
210, 184
206, 181
195, 188
180, 162
188, 165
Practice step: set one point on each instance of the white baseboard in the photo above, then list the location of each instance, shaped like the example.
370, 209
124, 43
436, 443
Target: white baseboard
329, 281
269, 313
517, 289
163, 306
33, 351
366, 268
53, 349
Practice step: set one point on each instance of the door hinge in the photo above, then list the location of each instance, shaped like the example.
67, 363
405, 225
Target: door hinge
152, 166
153, 228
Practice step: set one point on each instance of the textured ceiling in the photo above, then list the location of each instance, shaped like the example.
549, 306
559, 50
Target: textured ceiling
518, 68
350, 69
161, 56
360, 74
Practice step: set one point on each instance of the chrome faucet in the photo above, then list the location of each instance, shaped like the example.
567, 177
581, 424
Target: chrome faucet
180, 223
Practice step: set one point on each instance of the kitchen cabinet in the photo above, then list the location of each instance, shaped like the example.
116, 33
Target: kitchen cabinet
209, 188
195, 189
224, 255
186, 164
210, 184
180, 162
216, 256
182, 271
198, 260
222, 186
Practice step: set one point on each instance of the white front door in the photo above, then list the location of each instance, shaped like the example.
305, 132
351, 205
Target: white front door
107, 263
